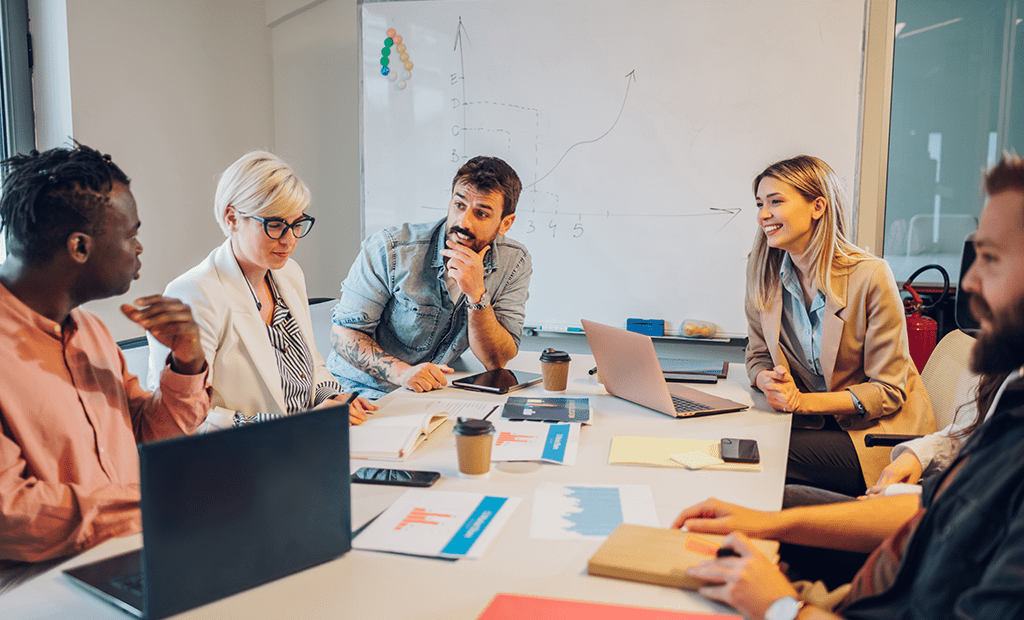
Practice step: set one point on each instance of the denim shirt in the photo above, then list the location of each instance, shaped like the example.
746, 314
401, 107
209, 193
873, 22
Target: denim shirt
966, 556
395, 293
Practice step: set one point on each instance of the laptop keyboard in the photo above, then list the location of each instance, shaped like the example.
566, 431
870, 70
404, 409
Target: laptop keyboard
130, 582
687, 406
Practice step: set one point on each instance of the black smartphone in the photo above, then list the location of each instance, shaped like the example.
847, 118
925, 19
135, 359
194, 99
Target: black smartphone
395, 477
740, 451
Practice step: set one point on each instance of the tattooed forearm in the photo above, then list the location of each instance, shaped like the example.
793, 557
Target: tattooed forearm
363, 352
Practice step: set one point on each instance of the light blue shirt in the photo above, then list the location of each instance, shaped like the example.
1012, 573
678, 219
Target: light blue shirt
804, 327
396, 294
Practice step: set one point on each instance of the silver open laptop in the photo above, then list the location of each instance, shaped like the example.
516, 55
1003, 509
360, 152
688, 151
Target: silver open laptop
629, 369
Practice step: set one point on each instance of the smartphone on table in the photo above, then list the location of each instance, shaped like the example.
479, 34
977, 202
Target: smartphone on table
395, 477
740, 451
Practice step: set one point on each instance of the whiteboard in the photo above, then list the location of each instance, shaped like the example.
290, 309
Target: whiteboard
636, 126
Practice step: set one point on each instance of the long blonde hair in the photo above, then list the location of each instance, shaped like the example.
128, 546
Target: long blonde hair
829, 246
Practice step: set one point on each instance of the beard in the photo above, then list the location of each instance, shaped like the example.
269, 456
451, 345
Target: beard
1001, 349
474, 243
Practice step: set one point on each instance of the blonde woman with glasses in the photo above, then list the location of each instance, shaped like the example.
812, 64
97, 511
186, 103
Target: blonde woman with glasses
249, 299
827, 335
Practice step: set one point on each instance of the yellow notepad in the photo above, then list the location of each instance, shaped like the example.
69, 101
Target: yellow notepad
658, 451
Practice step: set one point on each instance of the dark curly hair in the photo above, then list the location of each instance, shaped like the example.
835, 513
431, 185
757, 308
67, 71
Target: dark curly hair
48, 196
487, 174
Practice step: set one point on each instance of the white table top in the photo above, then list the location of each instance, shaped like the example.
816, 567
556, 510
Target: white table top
365, 584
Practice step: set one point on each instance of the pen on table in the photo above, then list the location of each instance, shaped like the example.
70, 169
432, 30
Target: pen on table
592, 371
491, 411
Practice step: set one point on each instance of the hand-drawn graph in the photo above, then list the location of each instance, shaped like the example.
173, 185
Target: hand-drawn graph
635, 127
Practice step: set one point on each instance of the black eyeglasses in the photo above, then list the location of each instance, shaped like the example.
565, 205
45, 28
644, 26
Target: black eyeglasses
276, 228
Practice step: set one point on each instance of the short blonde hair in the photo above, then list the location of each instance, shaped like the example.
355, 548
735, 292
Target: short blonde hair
831, 248
260, 184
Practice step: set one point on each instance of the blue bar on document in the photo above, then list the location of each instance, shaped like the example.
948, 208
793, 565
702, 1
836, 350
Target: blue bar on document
474, 526
554, 446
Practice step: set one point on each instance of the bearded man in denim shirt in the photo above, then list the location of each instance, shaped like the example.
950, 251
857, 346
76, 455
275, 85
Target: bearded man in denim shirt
419, 295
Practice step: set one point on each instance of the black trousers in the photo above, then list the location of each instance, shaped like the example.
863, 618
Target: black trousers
825, 458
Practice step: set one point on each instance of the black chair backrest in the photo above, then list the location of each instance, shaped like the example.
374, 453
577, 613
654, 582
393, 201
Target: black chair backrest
964, 319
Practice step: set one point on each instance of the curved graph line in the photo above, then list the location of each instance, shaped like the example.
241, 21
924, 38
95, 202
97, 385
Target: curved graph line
631, 74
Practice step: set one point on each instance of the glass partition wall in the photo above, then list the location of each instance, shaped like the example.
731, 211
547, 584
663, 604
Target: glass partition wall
957, 88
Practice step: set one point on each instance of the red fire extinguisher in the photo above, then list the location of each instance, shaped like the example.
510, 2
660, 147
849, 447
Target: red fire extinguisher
922, 331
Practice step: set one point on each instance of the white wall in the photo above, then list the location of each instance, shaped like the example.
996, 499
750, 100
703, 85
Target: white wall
316, 116
175, 92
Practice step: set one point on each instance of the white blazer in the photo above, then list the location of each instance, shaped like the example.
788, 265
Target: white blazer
243, 366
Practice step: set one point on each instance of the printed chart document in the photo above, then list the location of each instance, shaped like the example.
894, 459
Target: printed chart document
446, 524
535, 441
400, 426
547, 409
659, 451
507, 606
589, 511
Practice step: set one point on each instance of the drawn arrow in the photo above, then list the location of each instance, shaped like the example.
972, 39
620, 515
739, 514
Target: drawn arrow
630, 77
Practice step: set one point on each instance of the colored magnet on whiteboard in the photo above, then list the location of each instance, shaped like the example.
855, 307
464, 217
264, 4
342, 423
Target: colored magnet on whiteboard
400, 84
385, 71
400, 47
388, 42
398, 39
386, 51
391, 32
393, 76
403, 56
407, 75
408, 66
384, 61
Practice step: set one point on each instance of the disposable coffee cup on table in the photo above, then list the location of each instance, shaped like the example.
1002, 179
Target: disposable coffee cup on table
554, 366
473, 444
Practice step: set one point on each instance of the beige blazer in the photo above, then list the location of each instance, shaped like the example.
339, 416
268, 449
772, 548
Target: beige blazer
864, 349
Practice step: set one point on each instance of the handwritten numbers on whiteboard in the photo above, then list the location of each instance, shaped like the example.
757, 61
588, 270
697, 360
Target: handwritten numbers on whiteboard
531, 227
577, 231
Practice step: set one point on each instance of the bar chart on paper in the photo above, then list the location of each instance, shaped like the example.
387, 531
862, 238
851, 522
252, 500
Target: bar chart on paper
435, 523
589, 511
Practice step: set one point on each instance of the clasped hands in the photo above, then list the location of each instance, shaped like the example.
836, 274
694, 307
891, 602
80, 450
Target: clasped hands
780, 390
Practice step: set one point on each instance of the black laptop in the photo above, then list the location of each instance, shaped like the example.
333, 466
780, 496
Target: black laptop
230, 510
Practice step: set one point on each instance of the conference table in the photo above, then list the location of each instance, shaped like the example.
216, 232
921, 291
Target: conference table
365, 584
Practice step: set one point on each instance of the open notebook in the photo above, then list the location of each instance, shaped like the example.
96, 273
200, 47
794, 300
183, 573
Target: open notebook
395, 431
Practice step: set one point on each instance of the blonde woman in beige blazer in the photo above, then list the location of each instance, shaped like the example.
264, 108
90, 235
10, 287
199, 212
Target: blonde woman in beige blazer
827, 334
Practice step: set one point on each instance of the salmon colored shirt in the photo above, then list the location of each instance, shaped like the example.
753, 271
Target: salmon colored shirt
71, 415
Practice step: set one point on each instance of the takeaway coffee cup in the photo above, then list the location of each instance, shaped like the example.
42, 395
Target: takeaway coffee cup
473, 443
554, 366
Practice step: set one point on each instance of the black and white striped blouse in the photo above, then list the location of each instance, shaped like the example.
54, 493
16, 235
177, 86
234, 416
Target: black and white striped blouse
294, 363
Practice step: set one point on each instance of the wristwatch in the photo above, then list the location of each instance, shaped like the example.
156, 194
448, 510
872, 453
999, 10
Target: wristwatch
480, 305
785, 608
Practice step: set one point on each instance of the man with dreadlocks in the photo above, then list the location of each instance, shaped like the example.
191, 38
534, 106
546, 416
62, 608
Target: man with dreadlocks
70, 412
